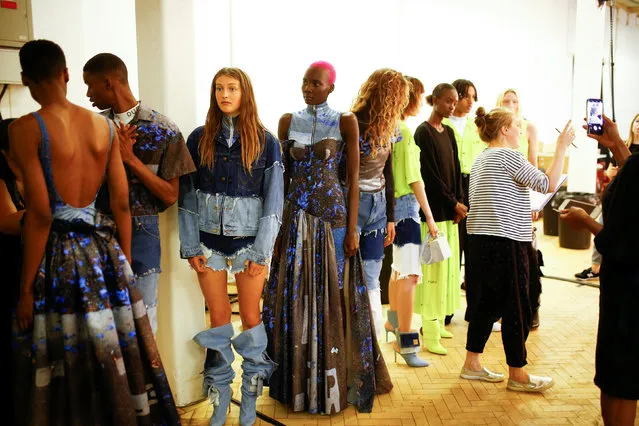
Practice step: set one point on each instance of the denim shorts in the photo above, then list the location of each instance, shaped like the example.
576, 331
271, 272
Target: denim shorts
371, 224
407, 207
145, 245
224, 253
407, 230
148, 286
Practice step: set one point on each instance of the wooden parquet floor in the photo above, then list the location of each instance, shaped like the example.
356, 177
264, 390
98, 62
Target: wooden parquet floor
563, 348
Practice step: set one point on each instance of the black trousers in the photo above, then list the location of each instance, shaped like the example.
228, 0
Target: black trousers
463, 238
498, 272
535, 281
463, 235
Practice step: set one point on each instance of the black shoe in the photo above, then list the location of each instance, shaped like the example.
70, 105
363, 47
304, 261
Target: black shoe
587, 274
448, 319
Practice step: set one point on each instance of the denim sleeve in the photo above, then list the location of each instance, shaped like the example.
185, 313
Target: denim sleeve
188, 217
273, 193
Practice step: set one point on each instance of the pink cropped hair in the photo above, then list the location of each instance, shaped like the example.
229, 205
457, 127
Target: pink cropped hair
332, 75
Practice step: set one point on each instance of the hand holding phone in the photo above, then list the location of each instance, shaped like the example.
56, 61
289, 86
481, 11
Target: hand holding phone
610, 135
594, 116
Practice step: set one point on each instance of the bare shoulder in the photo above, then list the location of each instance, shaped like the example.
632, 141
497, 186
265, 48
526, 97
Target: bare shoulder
531, 128
283, 126
24, 128
348, 119
93, 119
23, 122
285, 120
96, 129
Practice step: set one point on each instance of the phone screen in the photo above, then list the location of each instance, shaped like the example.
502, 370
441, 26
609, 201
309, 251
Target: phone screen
594, 111
586, 206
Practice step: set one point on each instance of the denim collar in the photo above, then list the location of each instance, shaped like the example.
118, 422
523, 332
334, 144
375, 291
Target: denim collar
227, 124
319, 108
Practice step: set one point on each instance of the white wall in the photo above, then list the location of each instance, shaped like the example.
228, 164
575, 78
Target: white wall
82, 28
494, 43
524, 44
626, 71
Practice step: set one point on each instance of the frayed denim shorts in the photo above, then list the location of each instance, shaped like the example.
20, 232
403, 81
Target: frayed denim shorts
224, 253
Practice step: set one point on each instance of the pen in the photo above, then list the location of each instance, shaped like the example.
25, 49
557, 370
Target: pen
571, 143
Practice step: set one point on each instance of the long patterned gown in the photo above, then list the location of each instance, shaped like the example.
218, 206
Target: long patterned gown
91, 358
327, 355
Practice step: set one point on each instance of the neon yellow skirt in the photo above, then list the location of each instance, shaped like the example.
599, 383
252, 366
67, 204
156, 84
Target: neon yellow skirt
439, 293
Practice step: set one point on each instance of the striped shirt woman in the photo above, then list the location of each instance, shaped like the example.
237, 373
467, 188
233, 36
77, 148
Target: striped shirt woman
499, 246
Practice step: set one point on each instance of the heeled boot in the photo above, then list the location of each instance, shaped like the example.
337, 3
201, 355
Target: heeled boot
445, 334
430, 330
218, 373
256, 368
408, 344
391, 318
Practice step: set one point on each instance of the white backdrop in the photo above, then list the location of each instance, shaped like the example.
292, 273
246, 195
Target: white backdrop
525, 44
495, 43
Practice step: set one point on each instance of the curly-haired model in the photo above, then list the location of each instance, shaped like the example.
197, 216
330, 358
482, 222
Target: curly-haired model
250, 127
378, 107
384, 96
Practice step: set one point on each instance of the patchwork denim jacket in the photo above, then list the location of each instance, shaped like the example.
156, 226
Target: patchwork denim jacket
229, 201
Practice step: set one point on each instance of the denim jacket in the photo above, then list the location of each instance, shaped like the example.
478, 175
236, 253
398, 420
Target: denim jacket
228, 200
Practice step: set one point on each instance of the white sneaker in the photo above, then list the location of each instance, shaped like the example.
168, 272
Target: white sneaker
497, 327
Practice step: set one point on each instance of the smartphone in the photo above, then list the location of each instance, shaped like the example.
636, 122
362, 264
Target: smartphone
594, 114
594, 210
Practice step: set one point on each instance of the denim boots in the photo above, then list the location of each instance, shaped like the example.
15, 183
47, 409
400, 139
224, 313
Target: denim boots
256, 367
219, 374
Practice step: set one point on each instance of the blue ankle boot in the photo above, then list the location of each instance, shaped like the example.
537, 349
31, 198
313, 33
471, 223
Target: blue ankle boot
256, 368
409, 346
391, 317
218, 373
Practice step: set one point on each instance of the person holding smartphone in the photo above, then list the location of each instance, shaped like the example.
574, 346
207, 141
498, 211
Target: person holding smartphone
617, 240
592, 272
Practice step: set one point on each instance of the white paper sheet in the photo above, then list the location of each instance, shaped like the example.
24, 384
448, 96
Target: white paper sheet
538, 200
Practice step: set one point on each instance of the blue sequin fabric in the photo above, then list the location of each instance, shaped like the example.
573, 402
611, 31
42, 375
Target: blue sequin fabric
91, 357
303, 302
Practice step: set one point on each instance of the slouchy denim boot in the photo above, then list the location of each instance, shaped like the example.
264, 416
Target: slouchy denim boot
218, 373
256, 367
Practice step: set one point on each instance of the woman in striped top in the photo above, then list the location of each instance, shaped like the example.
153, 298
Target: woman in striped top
499, 245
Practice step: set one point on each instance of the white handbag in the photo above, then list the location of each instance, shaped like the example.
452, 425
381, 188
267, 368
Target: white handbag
435, 249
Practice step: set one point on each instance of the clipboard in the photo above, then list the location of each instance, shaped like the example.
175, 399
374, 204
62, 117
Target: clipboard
538, 200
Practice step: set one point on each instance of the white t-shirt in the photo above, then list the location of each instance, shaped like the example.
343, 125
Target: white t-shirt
127, 116
459, 123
